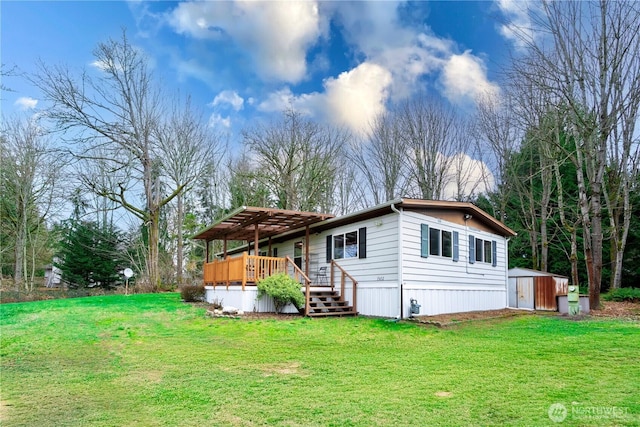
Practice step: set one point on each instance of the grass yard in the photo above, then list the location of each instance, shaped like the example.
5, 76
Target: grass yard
150, 360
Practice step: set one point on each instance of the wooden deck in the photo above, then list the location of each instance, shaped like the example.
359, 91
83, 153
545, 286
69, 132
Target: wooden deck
248, 270
244, 270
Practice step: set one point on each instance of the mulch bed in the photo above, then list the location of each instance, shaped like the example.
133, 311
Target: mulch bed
609, 309
618, 310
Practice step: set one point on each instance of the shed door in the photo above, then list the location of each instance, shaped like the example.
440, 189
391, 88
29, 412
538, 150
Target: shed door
524, 286
545, 293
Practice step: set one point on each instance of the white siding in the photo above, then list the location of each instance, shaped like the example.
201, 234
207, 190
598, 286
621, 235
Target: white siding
377, 274
441, 285
453, 300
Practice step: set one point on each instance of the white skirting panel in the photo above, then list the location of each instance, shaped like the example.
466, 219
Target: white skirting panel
441, 301
376, 300
246, 300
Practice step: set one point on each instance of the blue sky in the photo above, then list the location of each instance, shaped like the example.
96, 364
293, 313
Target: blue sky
339, 62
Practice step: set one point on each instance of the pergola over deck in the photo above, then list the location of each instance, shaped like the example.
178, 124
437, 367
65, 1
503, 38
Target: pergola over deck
253, 224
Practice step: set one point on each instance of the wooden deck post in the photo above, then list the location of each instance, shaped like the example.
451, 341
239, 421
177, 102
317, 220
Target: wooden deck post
256, 237
331, 275
245, 258
306, 251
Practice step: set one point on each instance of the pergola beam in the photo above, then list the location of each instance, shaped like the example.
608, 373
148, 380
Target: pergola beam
241, 224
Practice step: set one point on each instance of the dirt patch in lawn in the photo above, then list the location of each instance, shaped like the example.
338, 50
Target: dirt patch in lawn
282, 369
444, 394
4, 409
451, 319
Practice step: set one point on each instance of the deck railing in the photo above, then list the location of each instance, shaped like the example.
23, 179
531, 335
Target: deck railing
343, 276
245, 269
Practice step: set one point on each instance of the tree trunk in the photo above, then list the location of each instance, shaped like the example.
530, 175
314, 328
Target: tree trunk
20, 250
154, 239
575, 277
179, 255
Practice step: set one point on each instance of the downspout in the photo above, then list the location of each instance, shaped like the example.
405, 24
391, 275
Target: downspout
506, 270
400, 276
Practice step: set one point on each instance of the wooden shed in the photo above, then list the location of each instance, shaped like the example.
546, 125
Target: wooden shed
535, 290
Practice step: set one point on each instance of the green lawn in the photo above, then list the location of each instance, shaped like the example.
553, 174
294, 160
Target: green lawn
150, 360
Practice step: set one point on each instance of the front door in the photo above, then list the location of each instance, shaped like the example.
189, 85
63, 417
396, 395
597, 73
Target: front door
298, 254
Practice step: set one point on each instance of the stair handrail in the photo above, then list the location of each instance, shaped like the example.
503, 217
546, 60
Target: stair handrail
342, 283
307, 283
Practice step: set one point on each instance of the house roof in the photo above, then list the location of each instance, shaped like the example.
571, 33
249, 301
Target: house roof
285, 224
463, 207
241, 224
418, 204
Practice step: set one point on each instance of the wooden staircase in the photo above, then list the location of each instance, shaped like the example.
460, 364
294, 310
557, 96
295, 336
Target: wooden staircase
328, 303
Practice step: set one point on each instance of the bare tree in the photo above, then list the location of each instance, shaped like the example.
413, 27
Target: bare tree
298, 159
380, 157
112, 118
6, 72
430, 133
497, 135
468, 175
29, 171
592, 64
246, 186
350, 194
186, 149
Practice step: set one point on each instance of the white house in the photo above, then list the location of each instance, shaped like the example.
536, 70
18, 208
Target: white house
447, 256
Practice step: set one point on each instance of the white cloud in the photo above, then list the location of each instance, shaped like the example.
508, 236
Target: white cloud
228, 97
408, 53
275, 34
518, 29
217, 121
193, 68
357, 96
464, 77
100, 65
467, 177
26, 103
352, 99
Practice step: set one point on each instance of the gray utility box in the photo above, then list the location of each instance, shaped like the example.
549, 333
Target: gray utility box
563, 304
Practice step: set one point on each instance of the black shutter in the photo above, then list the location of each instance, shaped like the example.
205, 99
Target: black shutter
362, 242
275, 252
329, 246
472, 250
424, 240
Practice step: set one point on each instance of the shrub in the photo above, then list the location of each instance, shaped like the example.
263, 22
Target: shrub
283, 289
623, 294
192, 293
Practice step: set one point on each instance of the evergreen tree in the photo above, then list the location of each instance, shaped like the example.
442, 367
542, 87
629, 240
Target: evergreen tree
90, 256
